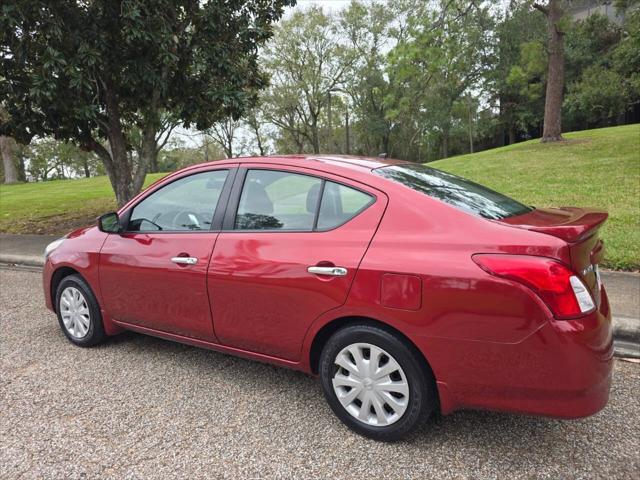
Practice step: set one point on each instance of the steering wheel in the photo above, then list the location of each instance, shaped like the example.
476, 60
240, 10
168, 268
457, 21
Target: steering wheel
186, 220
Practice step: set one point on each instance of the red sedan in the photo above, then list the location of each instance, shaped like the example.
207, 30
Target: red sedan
406, 289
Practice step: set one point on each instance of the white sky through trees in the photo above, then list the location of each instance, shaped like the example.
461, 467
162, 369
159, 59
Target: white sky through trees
193, 139
337, 5
325, 4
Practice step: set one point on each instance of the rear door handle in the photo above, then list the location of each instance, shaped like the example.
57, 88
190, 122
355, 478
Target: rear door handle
332, 271
185, 260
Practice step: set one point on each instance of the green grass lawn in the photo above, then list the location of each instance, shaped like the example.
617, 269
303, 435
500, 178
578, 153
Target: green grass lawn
57, 206
593, 168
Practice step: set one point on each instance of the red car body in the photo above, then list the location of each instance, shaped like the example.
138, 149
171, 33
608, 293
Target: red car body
491, 342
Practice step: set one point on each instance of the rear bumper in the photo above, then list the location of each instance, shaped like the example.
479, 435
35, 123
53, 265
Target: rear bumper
564, 369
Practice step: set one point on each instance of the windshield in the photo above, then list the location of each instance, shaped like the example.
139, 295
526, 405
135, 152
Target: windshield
454, 190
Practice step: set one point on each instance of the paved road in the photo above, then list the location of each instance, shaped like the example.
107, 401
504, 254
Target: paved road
140, 407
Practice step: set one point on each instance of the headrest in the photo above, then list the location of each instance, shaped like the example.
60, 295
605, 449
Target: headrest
312, 198
256, 200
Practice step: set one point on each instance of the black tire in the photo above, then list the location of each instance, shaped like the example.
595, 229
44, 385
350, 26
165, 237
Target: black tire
95, 333
422, 398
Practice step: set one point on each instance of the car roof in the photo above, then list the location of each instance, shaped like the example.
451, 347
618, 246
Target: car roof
352, 162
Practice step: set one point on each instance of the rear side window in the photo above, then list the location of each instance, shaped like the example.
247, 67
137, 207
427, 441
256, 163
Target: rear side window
278, 200
187, 204
454, 190
340, 204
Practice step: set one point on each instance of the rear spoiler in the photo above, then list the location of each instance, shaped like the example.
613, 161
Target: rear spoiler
567, 223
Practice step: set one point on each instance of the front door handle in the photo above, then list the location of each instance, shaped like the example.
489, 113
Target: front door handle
332, 271
185, 260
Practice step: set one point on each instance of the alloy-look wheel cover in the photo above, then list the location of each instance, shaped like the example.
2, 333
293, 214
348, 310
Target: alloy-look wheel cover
370, 384
74, 312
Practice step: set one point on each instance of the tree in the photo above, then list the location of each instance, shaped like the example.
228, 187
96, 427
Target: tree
524, 88
552, 130
167, 125
225, 133
447, 54
94, 73
53, 159
177, 154
47, 159
368, 28
604, 65
7, 146
307, 64
255, 121
626, 55
599, 95
515, 77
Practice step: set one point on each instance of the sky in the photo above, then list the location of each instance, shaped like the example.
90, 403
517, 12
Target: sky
337, 5
325, 4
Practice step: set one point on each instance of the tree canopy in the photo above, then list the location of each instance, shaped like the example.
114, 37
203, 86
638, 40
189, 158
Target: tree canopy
103, 73
412, 79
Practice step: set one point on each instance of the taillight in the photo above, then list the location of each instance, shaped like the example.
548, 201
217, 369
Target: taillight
558, 286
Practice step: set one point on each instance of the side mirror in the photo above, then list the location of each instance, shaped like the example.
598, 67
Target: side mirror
109, 223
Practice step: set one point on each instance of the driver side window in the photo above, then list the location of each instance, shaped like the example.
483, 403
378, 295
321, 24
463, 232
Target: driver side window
188, 204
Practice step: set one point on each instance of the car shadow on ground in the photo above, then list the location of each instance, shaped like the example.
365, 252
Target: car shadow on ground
485, 427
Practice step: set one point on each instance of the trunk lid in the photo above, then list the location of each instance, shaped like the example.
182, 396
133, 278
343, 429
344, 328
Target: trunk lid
579, 228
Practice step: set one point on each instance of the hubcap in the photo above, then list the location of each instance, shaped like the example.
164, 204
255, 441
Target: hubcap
370, 384
74, 312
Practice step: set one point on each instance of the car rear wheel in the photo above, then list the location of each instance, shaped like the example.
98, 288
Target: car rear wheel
78, 312
375, 383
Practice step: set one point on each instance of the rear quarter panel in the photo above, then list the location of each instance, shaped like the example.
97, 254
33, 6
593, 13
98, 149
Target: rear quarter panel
462, 309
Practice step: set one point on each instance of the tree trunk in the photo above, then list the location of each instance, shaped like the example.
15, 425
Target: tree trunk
385, 145
346, 132
470, 127
299, 142
22, 169
126, 182
85, 167
120, 172
119, 167
256, 132
7, 147
552, 131
502, 116
260, 145
153, 162
512, 135
315, 137
148, 154
445, 143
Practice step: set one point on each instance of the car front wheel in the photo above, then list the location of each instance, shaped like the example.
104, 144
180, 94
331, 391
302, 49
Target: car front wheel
375, 382
78, 312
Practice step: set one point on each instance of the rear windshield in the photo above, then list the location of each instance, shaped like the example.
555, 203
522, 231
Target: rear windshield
454, 190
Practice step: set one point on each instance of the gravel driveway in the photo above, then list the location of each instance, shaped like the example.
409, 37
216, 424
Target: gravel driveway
140, 407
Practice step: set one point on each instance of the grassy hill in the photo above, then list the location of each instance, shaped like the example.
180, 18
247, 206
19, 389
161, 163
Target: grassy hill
57, 206
598, 168
593, 168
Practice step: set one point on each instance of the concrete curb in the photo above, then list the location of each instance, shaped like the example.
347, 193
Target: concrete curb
22, 260
626, 330
626, 336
